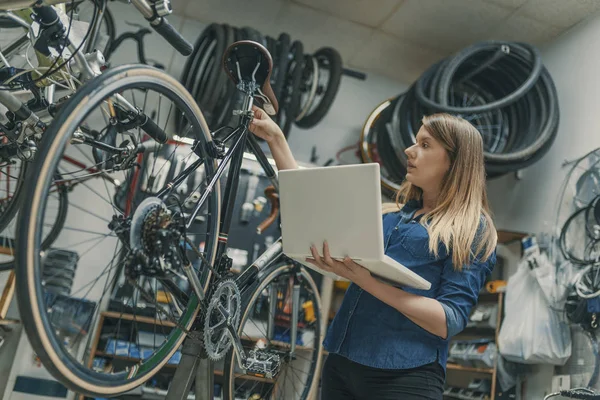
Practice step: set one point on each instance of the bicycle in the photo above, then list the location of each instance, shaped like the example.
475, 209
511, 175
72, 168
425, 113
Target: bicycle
26, 120
165, 242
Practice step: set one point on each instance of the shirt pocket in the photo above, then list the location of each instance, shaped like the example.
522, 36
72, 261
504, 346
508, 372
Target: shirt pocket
415, 241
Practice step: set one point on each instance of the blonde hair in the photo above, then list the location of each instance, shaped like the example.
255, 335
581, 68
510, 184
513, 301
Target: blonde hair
461, 217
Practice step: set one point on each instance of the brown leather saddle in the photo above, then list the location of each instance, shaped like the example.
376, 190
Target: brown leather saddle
248, 61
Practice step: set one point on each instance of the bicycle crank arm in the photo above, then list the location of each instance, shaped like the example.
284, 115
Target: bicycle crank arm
237, 347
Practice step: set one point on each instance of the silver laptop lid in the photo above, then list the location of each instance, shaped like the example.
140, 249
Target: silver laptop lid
340, 204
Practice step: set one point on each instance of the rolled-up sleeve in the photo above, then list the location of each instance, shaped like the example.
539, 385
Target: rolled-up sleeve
459, 291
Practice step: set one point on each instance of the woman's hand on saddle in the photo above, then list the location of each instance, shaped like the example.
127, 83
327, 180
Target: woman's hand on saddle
346, 268
264, 127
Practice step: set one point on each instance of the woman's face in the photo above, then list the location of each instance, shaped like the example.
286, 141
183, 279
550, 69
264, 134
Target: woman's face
428, 162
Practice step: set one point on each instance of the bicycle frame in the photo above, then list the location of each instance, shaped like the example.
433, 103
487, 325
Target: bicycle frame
234, 156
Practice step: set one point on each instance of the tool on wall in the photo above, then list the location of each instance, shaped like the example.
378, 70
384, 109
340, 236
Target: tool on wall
273, 197
180, 166
259, 205
248, 206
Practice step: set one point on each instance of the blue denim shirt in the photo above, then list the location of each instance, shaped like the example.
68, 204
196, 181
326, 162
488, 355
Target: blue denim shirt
372, 333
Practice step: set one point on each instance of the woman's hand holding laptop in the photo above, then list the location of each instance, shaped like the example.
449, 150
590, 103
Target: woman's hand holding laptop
345, 268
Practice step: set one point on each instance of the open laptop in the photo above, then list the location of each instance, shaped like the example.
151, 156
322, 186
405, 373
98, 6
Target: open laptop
340, 204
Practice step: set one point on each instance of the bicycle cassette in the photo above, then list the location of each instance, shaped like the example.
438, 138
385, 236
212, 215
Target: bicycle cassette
224, 309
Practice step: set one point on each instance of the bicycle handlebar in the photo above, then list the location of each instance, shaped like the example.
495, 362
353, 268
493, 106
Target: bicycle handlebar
158, 23
163, 27
166, 30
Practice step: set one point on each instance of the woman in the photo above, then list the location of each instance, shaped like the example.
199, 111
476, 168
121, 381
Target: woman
392, 343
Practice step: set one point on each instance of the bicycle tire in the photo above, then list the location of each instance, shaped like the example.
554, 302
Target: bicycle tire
191, 65
215, 74
367, 147
453, 64
190, 62
59, 222
13, 206
254, 35
60, 219
334, 60
395, 169
196, 66
223, 108
311, 70
292, 99
57, 360
534, 151
211, 107
265, 278
280, 65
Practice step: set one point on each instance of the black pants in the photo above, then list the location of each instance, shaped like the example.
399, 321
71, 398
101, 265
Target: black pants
347, 380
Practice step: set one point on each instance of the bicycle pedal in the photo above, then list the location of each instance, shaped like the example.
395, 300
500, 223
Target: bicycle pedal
262, 363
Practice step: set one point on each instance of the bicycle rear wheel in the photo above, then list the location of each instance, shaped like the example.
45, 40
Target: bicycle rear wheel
126, 242
266, 319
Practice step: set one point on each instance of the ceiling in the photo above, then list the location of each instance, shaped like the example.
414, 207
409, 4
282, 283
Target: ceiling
396, 38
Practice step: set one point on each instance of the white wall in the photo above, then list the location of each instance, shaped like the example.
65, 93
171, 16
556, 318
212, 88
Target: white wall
530, 204
573, 61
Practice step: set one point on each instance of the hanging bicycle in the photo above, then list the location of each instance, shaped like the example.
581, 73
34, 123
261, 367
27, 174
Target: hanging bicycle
142, 231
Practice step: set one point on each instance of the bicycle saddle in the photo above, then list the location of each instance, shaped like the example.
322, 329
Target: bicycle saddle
249, 61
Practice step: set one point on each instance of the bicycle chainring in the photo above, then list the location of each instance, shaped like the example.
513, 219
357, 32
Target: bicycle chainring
224, 308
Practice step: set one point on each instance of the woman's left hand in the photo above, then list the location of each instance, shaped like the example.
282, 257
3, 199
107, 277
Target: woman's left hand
345, 268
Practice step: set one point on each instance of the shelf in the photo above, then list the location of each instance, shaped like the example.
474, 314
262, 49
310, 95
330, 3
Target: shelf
505, 237
125, 358
469, 369
174, 366
459, 396
484, 331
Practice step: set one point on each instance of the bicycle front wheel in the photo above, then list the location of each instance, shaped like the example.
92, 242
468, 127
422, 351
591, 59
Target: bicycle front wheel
110, 304
267, 321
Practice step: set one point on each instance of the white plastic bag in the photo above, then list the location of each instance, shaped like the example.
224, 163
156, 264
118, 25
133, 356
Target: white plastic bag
534, 330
